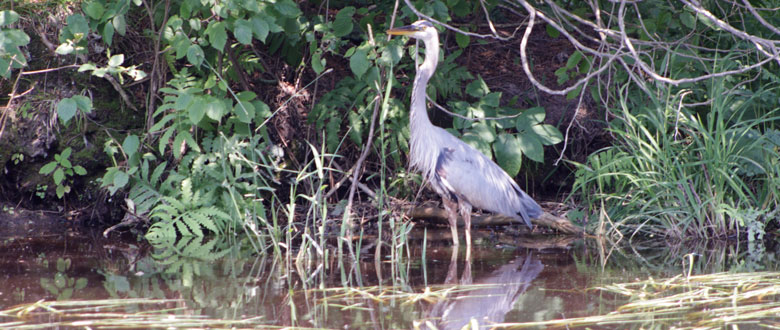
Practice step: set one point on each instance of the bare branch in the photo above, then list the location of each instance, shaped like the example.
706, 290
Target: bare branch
471, 34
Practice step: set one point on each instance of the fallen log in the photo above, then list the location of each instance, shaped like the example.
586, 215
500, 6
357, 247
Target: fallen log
548, 220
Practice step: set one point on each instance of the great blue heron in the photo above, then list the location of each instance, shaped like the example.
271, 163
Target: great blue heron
459, 173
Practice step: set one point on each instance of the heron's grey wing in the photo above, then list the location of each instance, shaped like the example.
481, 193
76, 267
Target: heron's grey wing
482, 183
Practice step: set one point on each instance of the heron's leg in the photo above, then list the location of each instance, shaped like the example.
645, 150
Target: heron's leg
452, 216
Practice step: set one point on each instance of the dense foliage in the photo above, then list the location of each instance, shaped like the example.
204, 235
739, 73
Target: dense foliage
688, 157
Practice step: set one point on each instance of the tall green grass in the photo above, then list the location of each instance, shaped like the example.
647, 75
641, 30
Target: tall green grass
705, 173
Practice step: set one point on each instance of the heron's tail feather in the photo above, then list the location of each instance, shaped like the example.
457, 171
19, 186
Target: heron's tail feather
529, 209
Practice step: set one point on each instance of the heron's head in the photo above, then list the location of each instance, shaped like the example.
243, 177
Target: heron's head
421, 29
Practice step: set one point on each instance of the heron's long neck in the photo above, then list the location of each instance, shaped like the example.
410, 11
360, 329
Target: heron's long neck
419, 120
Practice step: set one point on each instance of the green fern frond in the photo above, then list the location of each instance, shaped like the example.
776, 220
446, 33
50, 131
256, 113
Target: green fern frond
186, 191
176, 206
188, 228
215, 216
194, 221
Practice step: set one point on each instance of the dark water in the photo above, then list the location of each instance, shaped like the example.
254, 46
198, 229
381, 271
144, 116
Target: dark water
428, 284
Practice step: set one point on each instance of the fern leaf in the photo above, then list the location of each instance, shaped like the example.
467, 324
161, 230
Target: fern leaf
211, 214
157, 173
176, 204
182, 227
194, 220
186, 191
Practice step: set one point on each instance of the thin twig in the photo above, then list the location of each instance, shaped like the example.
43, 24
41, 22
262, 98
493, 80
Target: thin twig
450, 27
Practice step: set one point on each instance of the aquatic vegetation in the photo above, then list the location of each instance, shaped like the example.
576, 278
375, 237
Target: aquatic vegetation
117, 314
711, 301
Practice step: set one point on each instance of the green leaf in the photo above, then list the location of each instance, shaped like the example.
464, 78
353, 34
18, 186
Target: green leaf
130, 145
530, 117
116, 60
508, 153
260, 28
357, 129
531, 147
58, 176
574, 59
49, 286
262, 109
350, 52
552, 32
19, 59
184, 100
83, 103
688, 20
548, 134
100, 72
120, 179
574, 93
48, 168
66, 153
317, 63
13, 38
287, 8
65, 294
8, 17
195, 55
708, 22
477, 88
108, 33
563, 75
215, 109
243, 31
60, 193
5, 68
197, 109
462, 40
79, 170
253, 6
342, 24
483, 131
217, 35
359, 62
184, 137
119, 24
182, 45
62, 266
66, 109
81, 283
87, 67
64, 48
77, 24
245, 111
332, 138
95, 10
392, 54
246, 96
478, 143
491, 99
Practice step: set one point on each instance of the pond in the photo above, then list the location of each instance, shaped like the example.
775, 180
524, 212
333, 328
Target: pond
69, 278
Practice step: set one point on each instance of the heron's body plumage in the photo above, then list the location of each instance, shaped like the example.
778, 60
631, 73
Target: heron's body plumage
458, 172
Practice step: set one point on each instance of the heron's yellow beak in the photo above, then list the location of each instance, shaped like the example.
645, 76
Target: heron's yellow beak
403, 30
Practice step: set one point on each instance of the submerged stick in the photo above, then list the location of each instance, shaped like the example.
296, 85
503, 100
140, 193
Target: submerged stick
546, 220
